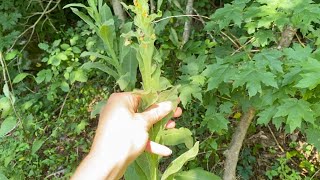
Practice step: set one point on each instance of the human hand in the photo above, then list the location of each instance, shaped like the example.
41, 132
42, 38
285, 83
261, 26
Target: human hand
122, 135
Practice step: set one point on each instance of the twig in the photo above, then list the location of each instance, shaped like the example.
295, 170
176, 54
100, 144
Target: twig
55, 173
243, 46
204, 23
238, 46
232, 153
187, 25
64, 102
275, 139
314, 174
8, 81
300, 41
32, 28
177, 16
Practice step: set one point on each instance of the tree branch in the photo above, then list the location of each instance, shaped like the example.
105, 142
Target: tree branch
118, 11
286, 37
232, 154
187, 25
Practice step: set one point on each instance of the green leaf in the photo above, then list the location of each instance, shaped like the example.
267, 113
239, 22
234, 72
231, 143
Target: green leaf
84, 17
78, 75
62, 56
172, 137
3, 177
266, 115
296, 111
313, 137
7, 125
11, 55
74, 5
269, 58
177, 164
263, 38
97, 108
196, 174
20, 77
187, 90
216, 122
5, 107
174, 37
44, 75
229, 13
298, 53
311, 72
253, 78
43, 46
65, 86
217, 74
100, 66
36, 145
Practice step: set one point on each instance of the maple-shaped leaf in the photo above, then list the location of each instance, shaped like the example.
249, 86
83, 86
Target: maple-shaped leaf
216, 122
298, 53
313, 137
253, 77
263, 38
230, 13
186, 91
311, 73
218, 73
270, 58
266, 115
296, 111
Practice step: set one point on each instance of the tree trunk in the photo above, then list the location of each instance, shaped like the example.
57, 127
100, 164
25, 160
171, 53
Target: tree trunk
232, 154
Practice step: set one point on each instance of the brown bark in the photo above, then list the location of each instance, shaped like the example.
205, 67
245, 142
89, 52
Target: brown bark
232, 154
286, 37
187, 25
118, 10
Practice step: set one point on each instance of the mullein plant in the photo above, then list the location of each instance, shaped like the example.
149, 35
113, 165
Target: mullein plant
155, 88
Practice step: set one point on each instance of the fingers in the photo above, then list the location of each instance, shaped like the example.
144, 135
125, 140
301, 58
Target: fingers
170, 124
178, 112
158, 149
155, 114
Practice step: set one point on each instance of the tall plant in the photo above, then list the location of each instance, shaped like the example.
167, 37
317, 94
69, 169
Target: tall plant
155, 87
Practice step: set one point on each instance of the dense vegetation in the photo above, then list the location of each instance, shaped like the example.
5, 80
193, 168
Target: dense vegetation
246, 72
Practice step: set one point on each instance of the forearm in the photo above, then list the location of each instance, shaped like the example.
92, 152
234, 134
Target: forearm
96, 167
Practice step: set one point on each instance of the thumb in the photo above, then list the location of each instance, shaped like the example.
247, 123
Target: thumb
158, 149
156, 112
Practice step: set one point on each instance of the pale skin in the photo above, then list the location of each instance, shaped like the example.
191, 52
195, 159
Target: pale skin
122, 135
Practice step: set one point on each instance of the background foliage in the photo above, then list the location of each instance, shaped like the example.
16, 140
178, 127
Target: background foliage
242, 55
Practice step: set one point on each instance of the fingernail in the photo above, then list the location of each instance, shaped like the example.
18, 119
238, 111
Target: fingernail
168, 152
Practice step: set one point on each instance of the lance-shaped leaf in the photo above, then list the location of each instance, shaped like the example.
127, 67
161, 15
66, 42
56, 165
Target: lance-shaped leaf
196, 174
100, 66
177, 164
175, 136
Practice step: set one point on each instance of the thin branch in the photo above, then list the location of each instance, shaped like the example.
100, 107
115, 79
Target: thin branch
178, 16
275, 139
32, 28
204, 23
7, 81
64, 101
232, 154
